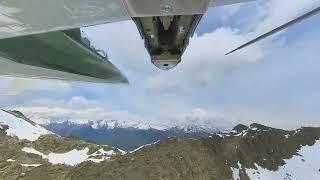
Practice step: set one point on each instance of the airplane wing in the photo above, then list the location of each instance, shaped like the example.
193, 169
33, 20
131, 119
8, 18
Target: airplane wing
33, 45
24, 17
56, 55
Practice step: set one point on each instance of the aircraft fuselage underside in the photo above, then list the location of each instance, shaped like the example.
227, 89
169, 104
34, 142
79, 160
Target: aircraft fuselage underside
166, 37
166, 27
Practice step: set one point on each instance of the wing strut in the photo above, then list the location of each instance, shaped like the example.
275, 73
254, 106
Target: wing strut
280, 28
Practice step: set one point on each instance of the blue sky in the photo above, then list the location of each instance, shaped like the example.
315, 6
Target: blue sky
274, 82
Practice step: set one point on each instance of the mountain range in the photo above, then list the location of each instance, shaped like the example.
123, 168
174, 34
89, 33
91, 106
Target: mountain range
133, 133
29, 151
126, 138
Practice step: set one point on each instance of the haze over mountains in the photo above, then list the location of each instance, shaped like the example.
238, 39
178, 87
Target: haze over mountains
197, 119
126, 138
131, 133
247, 152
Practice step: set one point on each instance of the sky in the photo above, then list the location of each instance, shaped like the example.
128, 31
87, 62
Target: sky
274, 82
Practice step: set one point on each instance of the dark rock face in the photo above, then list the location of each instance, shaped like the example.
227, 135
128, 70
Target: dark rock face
3, 129
259, 126
239, 128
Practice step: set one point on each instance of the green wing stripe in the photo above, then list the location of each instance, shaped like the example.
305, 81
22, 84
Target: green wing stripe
60, 51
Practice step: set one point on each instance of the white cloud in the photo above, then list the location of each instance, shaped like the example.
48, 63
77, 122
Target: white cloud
78, 109
275, 13
206, 119
81, 110
204, 61
16, 86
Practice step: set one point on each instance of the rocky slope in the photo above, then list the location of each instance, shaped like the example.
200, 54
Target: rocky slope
26, 146
257, 152
254, 152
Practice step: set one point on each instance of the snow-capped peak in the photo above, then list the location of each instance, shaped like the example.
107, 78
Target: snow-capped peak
206, 121
17, 126
112, 124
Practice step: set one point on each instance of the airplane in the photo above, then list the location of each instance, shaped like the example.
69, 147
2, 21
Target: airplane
42, 38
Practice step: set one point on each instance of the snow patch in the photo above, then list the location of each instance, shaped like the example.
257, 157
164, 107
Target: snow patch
70, 158
21, 128
121, 151
295, 168
243, 133
31, 165
33, 151
101, 152
236, 172
143, 146
286, 136
10, 160
73, 157
220, 135
297, 131
254, 128
97, 160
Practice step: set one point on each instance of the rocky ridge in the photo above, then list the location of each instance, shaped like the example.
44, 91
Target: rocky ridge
247, 152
